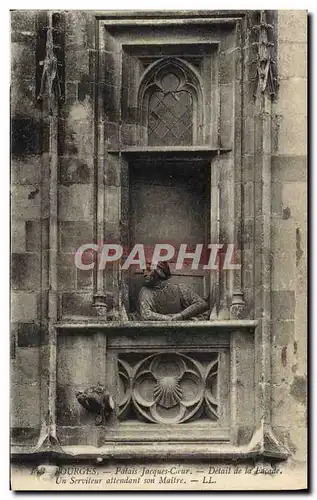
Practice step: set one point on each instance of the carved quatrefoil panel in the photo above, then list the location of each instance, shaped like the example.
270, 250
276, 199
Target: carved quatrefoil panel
169, 388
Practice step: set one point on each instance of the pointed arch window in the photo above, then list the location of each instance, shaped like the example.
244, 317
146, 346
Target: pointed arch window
170, 108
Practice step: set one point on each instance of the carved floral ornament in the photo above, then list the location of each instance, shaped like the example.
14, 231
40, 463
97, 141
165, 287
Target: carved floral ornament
50, 67
265, 62
169, 388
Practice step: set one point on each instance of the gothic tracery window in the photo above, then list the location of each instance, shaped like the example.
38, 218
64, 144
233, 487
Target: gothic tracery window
170, 105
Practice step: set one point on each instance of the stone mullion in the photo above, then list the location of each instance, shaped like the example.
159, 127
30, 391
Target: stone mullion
264, 436
99, 302
248, 176
52, 294
99, 296
107, 172
263, 149
48, 351
123, 276
262, 258
42, 22
214, 232
237, 283
216, 196
265, 242
231, 102
112, 208
226, 236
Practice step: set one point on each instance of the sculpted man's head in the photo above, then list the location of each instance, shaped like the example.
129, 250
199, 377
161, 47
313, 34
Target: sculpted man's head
153, 276
162, 300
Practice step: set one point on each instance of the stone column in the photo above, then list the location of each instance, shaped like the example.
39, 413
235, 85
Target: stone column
108, 84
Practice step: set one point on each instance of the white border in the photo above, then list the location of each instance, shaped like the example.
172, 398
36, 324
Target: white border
4, 179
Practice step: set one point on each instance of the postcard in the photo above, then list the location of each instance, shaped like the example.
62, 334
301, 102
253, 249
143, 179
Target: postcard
158, 250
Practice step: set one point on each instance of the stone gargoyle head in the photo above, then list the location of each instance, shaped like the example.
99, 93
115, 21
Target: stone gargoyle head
97, 400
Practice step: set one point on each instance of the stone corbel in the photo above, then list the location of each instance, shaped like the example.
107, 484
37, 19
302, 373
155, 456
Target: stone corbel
97, 400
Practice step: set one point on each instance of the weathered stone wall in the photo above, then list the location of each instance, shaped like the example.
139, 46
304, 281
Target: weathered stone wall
289, 231
76, 165
29, 209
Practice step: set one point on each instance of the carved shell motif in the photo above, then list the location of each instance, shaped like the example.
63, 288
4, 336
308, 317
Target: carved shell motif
167, 391
168, 388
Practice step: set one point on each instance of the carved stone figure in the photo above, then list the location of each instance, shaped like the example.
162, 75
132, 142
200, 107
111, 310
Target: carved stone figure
97, 400
161, 300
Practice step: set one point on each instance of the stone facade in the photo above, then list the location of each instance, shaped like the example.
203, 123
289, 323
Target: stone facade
71, 154
289, 231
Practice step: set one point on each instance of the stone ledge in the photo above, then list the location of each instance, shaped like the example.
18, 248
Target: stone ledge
172, 451
263, 445
189, 153
74, 324
171, 21
115, 14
